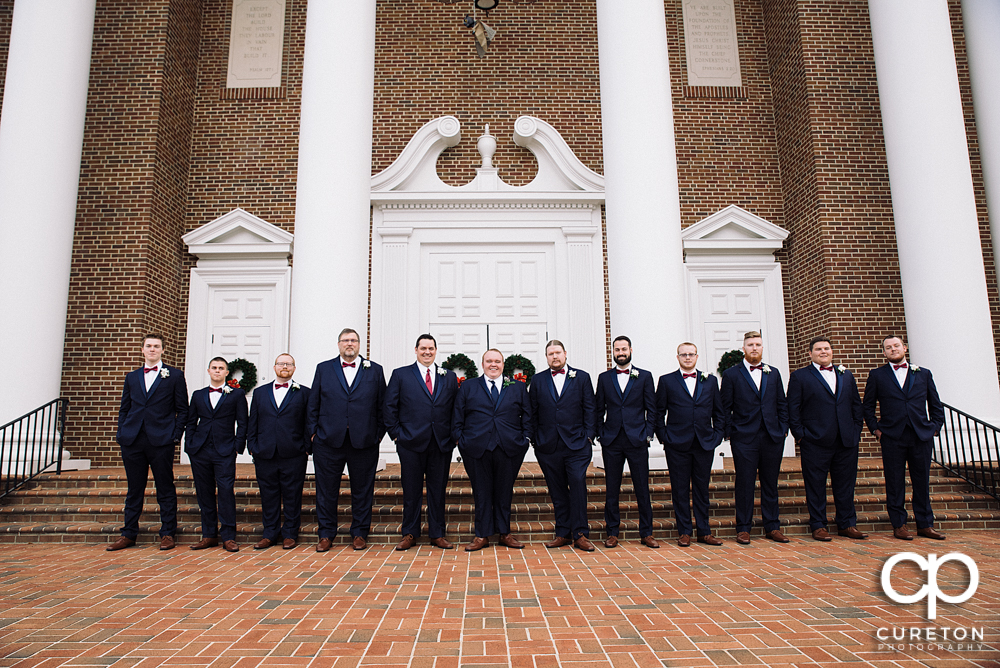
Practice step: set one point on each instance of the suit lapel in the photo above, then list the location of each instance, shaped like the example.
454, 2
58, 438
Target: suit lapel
503, 392
421, 380
697, 385
486, 388
159, 378
208, 400
909, 378
840, 382
552, 385
819, 377
618, 388
628, 385
338, 371
270, 395
763, 381
749, 379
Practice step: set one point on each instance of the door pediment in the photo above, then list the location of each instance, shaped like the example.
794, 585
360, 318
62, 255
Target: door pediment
238, 235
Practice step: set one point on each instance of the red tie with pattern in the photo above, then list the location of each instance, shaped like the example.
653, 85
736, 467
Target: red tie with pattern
427, 380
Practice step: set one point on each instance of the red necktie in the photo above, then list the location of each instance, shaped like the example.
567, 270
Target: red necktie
897, 367
278, 387
145, 370
556, 373
690, 375
215, 389
427, 380
759, 366
622, 370
826, 368
345, 364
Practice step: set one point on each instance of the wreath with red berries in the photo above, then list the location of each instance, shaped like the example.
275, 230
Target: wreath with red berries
249, 379
520, 363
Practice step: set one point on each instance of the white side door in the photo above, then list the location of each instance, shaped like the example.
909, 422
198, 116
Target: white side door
728, 311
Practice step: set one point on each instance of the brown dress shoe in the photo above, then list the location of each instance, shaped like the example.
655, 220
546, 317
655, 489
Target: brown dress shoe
205, 542
263, 544
510, 541
743, 538
684, 540
558, 541
901, 533
288, 544
583, 543
167, 543
649, 541
929, 532
612, 541
822, 534
777, 536
442, 542
324, 545
407, 542
709, 539
230, 546
120, 544
359, 543
477, 543
852, 532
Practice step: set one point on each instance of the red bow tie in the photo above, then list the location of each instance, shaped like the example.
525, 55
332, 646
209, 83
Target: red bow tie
215, 389
345, 364
556, 373
759, 366
897, 367
826, 368
623, 370
690, 375
145, 370
278, 387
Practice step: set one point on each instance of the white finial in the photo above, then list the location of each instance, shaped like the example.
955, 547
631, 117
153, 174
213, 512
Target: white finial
487, 146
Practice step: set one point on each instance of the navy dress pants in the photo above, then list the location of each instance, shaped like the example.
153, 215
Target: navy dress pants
897, 456
690, 474
492, 477
361, 466
565, 473
842, 465
280, 480
615, 455
212, 472
758, 457
139, 459
432, 465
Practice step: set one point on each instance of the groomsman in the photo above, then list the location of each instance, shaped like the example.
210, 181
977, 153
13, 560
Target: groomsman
563, 424
626, 410
344, 423
910, 416
756, 414
419, 402
492, 426
151, 419
824, 412
276, 437
216, 432
691, 402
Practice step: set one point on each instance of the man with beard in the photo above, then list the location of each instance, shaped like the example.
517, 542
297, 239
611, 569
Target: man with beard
910, 415
626, 406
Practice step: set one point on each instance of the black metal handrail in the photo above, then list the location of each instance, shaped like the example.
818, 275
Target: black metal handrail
970, 449
32, 444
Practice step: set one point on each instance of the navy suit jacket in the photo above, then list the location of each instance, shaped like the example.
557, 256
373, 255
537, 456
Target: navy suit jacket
634, 409
414, 418
916, 403
224, 426
333, 407
479, 426
816, 415
275, 431
689, 417
744, 406
569, 417
162, 411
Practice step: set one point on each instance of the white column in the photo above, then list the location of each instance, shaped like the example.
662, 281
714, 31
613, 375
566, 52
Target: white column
330, 266
645, 255
982, 43
937, 231
41, 139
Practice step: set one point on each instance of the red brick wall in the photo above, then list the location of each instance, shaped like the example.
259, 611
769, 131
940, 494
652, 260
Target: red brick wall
6, 13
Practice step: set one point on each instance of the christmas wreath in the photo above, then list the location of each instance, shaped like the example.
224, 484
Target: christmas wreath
519, 362
730, 359
459, 361
249, 379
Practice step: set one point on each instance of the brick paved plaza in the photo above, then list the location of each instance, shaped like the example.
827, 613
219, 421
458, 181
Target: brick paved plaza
804, 603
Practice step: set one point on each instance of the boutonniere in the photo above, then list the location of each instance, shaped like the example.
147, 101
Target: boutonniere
766, 369
230, 385
915, 368
442, 371
164, 372
633, 373
841, 369
507, 382
572, 373
295, 386
226, 389
703, 377
366, 364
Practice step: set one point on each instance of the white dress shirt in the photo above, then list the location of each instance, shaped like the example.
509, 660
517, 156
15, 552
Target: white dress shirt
690, 382
901, 373
829, 376
279, 393
755, 374
623, 377
350, 373
423, 375
559, 380
150, 376
213, 397
494, 382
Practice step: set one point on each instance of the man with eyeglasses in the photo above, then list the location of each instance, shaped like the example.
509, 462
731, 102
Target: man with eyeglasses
345, 425
276, 437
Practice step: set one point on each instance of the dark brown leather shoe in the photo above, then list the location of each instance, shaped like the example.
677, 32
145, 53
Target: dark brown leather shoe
230, 546
709, 539
558, 541
822, 534
359, 543
611, 541
649, 541
288, 544
929, 532
852, 532
777, 536
743, 538
205, 543
901, 533
477, 543
583, 543
684, 540
510, 541
167, 543
407, 542
263, 544
120, 544
442, 542
324, 545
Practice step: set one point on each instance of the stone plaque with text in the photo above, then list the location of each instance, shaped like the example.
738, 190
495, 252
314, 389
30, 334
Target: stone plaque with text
713, 57
256, 44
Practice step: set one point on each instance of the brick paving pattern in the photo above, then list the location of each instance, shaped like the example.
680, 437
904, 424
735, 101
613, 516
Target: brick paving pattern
805, 603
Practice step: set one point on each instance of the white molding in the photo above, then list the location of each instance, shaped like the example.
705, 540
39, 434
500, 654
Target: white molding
733, 231
239, 235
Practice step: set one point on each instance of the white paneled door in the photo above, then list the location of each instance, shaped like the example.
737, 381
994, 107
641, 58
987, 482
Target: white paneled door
728, 311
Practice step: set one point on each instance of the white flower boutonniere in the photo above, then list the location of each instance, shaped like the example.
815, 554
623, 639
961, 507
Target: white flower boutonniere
366, 364
915, 368
226, 389
164, 372
295, 386
634, 373
442, 371
703, 377
841, 369
507, 382
572, 373
766, 369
